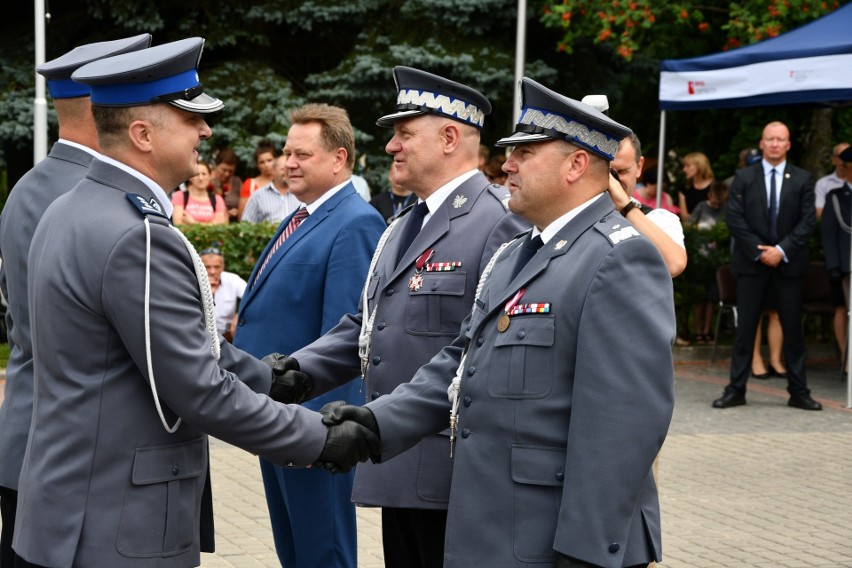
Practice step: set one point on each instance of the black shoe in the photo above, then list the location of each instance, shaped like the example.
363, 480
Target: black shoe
805, 402
774, 373
729, 399
765, 375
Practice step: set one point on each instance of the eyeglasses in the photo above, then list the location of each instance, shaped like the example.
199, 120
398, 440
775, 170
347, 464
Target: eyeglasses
210, 250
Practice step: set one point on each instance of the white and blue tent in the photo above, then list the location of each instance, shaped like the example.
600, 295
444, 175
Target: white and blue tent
811, 64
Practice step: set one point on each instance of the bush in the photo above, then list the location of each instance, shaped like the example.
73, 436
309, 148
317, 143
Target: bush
241, 243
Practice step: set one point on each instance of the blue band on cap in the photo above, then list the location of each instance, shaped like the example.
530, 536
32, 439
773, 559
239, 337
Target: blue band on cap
595, 140
143, 93
66, 89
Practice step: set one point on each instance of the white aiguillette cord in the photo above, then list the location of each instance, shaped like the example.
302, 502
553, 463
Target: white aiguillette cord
206, 300
365, 337
455, 386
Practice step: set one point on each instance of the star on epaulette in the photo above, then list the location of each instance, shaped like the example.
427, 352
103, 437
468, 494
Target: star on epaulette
458, 201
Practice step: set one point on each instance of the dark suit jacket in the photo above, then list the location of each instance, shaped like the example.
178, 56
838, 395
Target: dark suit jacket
835, 240
748, 219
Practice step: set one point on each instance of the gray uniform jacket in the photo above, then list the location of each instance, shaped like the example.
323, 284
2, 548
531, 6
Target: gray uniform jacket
103, 483
561, 414
412, 326
50, 178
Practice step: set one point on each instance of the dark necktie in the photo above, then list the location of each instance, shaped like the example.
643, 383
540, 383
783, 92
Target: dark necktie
527, 252
773, 210
294, 223
412, 226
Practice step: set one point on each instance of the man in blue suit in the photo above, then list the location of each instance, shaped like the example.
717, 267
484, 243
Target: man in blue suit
307, 278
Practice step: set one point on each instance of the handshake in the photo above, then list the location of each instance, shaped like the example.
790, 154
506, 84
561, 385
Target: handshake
353, 434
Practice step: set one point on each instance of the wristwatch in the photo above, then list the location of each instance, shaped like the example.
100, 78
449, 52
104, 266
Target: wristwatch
630, 205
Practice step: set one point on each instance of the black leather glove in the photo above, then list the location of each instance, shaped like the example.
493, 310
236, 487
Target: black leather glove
289, 384
563, 561
336, 413
835, 275
347, 444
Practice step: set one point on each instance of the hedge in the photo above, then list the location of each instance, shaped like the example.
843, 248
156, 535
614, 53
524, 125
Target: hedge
241, 243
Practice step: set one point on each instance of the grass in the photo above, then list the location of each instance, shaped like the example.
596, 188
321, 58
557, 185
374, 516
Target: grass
4, 354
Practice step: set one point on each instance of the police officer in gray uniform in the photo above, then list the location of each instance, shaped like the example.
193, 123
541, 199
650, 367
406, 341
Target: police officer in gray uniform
125, 344
66, 164
416, 296
559, 410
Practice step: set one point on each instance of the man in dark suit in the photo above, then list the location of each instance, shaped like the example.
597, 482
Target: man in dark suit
559, 411
771, 215
130, 373
66, 164
307, 278
417, 295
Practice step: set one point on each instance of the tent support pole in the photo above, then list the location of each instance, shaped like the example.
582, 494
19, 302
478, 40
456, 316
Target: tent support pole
660, 156
845, 359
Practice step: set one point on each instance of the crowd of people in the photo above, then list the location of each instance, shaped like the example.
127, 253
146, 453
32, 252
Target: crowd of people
456, 354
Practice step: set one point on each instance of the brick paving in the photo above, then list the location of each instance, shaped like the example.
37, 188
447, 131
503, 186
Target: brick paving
762, 485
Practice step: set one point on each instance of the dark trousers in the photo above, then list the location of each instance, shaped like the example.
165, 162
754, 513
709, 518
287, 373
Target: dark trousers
413, 538
8, 506
751, 290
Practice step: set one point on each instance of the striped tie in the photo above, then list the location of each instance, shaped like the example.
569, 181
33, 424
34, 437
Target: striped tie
297, 219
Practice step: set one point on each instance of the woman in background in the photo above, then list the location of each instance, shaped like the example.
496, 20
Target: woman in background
196, 203
699, 178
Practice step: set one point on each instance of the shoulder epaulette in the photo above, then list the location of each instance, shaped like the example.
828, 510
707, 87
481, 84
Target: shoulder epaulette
616, 229
146, 207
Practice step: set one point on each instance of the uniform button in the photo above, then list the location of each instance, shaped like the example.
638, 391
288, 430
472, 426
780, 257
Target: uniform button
465, 433
560, 476
522, 334
468, 327
389, 292
471, 371
242, 322
381, 325
613, 548
467, 401
175, 470
376, 394
377, 360
480, 340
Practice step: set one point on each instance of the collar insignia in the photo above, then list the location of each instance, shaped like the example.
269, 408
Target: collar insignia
458, 201
560, 245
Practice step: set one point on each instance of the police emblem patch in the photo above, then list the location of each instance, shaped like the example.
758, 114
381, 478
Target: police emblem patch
458, 201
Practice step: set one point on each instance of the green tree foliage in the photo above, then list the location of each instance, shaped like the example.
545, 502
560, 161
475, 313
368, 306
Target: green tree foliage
683, 28
266, 57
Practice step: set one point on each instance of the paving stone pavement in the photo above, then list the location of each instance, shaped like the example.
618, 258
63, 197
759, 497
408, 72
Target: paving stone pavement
762, 485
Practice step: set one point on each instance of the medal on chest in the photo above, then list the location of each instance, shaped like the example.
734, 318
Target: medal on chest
415, 283
504, 320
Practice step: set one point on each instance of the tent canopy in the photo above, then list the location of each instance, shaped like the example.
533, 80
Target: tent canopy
810, 64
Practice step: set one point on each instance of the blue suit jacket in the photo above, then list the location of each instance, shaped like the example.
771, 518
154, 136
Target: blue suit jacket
311, 282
